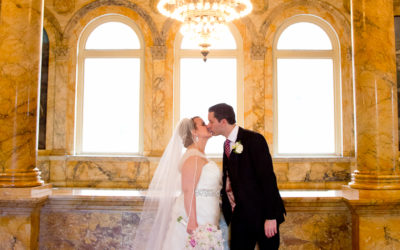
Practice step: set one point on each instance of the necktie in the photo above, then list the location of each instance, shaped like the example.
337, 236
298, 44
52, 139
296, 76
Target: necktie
227, 147
228, 188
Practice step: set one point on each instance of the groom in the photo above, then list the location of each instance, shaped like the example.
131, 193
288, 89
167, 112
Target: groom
251, 202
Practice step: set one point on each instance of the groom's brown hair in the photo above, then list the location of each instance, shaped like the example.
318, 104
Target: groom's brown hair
223, 111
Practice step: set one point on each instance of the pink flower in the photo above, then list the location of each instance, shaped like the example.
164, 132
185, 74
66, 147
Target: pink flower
192, 242
209, 229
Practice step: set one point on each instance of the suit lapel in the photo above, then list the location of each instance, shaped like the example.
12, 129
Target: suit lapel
233, 156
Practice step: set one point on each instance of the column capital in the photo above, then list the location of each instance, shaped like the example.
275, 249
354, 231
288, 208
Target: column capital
61, 52
258, 51
159, 52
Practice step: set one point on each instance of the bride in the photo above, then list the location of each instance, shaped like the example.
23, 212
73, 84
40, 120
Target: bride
184, 185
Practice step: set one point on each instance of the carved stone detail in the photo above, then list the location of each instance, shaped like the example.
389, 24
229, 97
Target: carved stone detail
258, 52
61, 52
63, 6
159, 52
260, 6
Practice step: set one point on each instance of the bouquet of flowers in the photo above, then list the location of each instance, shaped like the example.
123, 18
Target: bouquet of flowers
205, 237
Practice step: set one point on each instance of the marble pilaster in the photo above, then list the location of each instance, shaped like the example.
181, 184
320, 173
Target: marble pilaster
375, 95
59, 145
20, 45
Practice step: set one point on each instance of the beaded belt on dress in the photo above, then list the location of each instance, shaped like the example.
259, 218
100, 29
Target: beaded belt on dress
207, 193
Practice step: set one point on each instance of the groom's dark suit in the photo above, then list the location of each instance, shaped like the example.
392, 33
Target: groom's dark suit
255, 190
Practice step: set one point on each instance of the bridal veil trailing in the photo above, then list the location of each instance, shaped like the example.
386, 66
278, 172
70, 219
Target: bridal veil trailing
162, 192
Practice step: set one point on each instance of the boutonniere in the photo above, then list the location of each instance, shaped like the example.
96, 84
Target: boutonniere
237, 147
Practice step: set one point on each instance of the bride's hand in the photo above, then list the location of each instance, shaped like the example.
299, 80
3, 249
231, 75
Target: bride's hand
191, 227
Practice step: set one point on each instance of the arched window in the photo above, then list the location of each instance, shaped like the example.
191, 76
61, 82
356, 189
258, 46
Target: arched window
307, 117
198, 85
109, 99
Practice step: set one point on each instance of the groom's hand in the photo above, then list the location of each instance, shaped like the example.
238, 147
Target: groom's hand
270, 228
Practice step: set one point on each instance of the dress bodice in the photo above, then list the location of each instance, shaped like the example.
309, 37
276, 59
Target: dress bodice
210, 180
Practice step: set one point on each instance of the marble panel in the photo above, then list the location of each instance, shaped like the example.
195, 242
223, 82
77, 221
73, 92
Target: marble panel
310, 230
129, 225
78, 220
15, 231
19, 218
316, 222
107, 173
313, 173
379, 232
58, 171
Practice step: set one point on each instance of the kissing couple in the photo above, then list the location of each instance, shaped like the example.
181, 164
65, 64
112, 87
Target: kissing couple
188, 188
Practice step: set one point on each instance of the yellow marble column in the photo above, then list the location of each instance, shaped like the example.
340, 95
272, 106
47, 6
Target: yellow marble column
375, 95
21, 23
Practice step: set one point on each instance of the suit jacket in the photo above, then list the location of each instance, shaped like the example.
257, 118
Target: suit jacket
253, 182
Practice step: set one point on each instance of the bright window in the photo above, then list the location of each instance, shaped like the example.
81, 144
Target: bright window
200, 85
109, 88
307, 96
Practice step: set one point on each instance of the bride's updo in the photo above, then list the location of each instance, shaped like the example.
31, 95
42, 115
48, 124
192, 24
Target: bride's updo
185, 131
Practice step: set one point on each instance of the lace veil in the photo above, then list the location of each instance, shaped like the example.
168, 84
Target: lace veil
162, 191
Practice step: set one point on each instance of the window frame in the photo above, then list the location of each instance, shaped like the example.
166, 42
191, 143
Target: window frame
333, 54
82, 54
214, 53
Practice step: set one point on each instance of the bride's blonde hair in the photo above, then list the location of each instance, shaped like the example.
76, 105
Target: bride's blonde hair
185, 131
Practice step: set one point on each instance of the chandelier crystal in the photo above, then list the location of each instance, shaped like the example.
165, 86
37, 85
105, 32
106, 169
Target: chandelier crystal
203, 19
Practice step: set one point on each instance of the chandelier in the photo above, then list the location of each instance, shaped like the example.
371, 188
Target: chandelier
203, 19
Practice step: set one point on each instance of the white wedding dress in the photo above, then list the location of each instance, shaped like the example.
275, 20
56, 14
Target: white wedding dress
207, 204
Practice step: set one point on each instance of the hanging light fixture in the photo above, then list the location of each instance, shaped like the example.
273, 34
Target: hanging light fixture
203, 19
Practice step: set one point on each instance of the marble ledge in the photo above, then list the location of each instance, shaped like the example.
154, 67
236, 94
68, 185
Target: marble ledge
130, 158
25, 193
132, 199
132, 193
95, 199
313, 159
129, 199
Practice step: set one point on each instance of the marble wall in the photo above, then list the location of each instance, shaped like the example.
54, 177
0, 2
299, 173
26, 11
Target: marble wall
103, 222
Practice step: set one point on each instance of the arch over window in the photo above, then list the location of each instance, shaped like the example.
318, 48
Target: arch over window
113, 35
109, 87
198, 85
307, 108
304, 36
